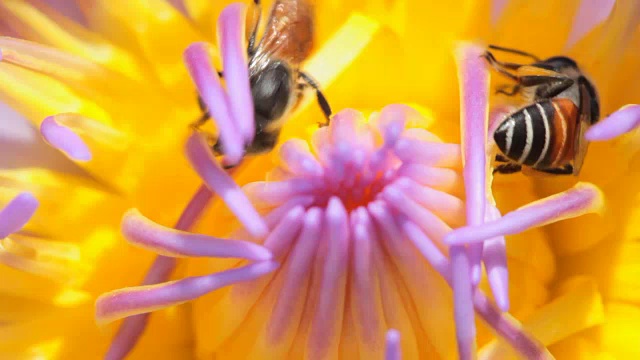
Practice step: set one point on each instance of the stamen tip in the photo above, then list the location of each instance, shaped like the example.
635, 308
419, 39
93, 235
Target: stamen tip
624, 120
262, 254
27, 201
393, 350
476, 274
393, 336
17, 213
336, 211
65, 140
597, 202
192, 51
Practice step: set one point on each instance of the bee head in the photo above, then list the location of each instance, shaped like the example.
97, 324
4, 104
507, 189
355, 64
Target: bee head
271, 89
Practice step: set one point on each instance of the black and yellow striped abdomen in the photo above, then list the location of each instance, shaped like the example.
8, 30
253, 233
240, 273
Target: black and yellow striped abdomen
538, 135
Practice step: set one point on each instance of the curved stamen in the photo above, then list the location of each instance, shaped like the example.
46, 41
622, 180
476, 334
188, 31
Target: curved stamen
583, 198
328, 317
298, 159
494, 256
65, 140
231, 24
206, 79
393, 350
620, 122
142, 232
221, 183
16, 213
143, 299
428, 153
295, 272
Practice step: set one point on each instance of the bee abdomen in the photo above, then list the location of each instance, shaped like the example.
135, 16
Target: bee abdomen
527, 136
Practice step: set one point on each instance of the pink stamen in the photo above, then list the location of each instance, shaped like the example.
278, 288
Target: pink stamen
206, 79
364, 294
620, 122
494, 256
201, 158
474, 98
17, 213
581, 199
393, 350
589, 15
392, 122
431, 225
420, 134
65, 140
327, 322
298, 159
428, 153
274, 216
273, 193
426, 246
143, 299
142, 232
231, 25
441, 179
283, 235
509, 329
295, 272
447, 207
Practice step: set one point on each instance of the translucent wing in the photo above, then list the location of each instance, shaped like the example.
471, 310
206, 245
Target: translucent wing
289, 32
584, 121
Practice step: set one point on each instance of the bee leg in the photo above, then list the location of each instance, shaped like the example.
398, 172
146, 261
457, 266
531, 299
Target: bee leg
501, 158
514, 90
196, 125
514, 51
565, 170
257, 15
508, 168
554, 84
203, 118
322, 101
501, 67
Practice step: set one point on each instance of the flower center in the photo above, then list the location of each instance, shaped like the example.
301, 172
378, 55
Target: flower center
356, 162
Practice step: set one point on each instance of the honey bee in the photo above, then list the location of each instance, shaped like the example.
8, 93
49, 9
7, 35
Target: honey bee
547, 134
276, 80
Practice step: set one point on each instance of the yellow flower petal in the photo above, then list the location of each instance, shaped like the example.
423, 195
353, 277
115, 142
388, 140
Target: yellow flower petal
579, 308
46, 26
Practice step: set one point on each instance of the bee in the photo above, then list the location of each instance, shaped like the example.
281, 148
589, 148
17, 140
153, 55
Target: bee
547, 134
276, 80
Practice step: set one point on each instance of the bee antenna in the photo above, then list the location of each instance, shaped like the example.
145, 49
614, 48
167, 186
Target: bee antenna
514, 51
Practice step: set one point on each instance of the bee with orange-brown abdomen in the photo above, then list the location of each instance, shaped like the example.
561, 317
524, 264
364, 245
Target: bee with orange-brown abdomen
276, 80
547, 134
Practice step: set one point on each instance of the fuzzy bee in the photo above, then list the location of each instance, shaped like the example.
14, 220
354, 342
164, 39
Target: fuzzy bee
276, 81
547, 134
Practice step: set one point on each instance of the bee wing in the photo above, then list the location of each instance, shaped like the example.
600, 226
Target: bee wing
289, 32
537, 71
584, 122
